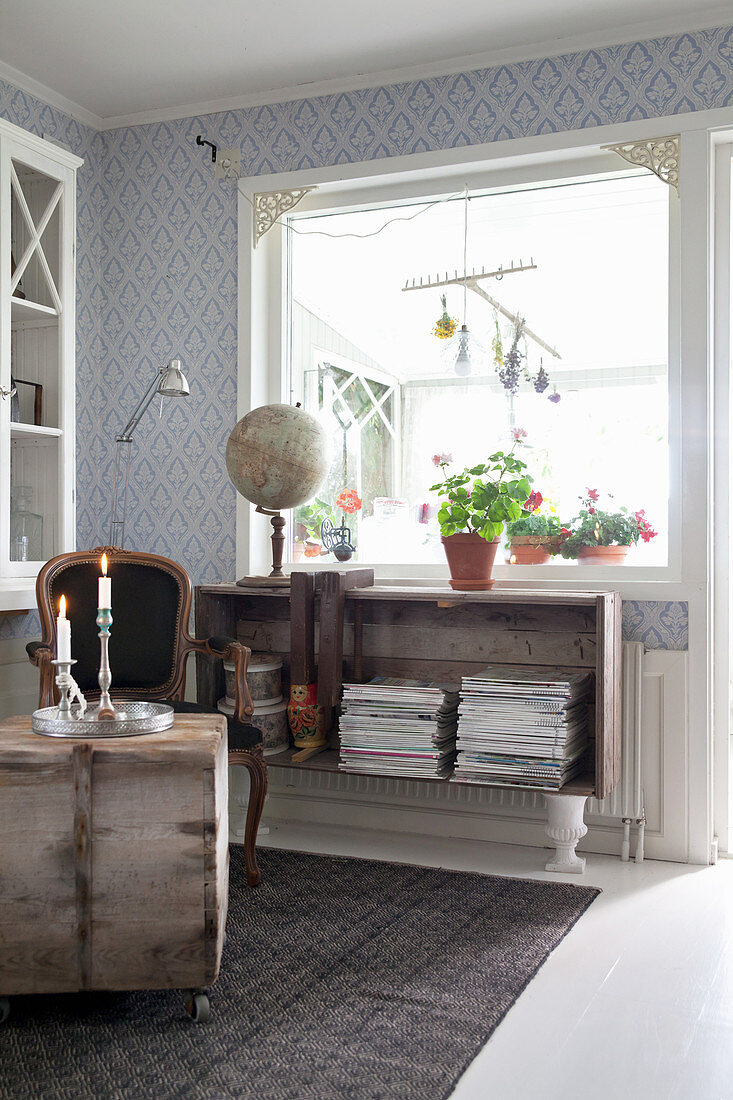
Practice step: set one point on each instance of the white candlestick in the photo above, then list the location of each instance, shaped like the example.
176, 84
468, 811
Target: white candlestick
63, 633
104, 589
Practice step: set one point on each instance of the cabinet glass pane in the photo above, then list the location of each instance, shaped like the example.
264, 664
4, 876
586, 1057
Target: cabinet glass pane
35, 237
34, 498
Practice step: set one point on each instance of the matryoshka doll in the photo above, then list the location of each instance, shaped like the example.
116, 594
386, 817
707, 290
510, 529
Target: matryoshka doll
306, 717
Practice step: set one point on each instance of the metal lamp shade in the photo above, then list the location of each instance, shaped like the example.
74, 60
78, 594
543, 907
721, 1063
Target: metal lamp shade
174, 382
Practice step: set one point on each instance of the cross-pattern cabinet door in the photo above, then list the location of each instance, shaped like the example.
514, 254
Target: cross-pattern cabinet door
37, 340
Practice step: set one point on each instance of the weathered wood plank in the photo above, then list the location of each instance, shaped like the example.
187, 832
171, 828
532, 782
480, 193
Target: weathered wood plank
83, 756
496, 595
107, 883
457, 642
525, 616
214, 615
150, 955
302, 628
333, 587
441, 670
328, 762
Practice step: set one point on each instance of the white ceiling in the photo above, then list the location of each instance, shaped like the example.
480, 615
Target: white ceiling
134, 57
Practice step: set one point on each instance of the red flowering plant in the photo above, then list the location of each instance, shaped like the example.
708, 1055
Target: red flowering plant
595, 526
538, 520
349, 502
482, 499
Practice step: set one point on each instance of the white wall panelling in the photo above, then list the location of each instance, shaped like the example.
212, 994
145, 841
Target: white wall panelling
18, 679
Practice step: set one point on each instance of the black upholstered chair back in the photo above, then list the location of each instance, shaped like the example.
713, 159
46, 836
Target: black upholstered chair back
149, 647
147, 603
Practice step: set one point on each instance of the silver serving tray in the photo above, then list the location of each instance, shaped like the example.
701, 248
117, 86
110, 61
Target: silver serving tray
133, 718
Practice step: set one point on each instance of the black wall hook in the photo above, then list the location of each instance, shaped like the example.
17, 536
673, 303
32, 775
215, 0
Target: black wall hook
201, 141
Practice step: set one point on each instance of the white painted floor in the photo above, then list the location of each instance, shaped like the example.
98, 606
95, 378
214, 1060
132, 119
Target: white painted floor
637, 1001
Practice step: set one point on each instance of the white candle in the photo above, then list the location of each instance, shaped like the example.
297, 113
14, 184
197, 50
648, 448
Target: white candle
63, 633
105, 587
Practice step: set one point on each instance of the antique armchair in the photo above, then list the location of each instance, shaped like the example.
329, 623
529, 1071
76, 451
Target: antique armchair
149, 645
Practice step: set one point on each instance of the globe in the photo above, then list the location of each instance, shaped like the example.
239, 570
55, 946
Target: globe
277, 456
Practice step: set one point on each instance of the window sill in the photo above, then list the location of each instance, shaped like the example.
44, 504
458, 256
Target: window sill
633, 581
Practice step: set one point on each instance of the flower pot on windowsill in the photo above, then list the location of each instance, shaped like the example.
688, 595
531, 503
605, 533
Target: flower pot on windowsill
603, 555
531, 549
470, 560
298, 551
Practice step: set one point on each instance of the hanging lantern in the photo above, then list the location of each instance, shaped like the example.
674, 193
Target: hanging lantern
462, 364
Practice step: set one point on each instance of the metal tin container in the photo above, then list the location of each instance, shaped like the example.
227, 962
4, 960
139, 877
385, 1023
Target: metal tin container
269, 717
264, 679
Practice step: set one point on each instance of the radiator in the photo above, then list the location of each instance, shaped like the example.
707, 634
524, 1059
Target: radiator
626, 801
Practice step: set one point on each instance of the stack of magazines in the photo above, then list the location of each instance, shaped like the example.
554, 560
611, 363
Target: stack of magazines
522, 728
399, 727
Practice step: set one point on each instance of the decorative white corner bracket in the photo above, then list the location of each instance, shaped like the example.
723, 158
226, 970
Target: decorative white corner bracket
271, 205
660, 155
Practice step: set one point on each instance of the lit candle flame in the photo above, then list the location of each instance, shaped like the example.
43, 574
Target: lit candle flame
597, 532
62, 607
104, 565
513, 559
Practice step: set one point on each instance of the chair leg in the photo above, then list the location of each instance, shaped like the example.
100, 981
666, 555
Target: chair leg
254, 762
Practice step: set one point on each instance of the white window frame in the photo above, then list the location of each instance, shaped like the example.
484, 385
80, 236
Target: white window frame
263, 315
695, 417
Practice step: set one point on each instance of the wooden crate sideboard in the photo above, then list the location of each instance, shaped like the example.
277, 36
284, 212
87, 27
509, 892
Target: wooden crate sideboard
435, 633
114, 873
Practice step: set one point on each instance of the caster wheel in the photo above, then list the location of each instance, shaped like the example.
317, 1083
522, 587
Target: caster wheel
199, 1008
4, 1009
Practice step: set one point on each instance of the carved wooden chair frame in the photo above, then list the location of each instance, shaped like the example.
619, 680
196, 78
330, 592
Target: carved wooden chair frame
42, 654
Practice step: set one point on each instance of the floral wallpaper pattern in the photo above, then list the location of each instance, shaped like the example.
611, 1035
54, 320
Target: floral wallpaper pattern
659, 624
157, 248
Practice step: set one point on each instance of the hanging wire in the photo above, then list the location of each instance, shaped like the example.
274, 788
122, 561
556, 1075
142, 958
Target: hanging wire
465, 253
358, 236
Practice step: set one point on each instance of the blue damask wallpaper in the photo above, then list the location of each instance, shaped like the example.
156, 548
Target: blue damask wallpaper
157, 246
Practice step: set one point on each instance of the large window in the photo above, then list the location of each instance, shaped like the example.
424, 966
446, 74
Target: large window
365, 357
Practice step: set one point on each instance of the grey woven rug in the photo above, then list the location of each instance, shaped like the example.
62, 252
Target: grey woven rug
342, 979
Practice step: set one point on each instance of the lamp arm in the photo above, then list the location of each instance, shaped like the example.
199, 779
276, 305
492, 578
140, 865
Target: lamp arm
119, 490
126, 434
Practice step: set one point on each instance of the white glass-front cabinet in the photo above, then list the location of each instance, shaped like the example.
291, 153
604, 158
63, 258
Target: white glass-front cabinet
37, 344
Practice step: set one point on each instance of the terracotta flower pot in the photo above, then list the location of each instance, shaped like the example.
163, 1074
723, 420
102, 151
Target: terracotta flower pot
470, 560
529, 549
298, 551
603, 555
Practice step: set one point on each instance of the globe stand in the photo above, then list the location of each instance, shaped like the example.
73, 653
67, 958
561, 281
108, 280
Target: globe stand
276, 579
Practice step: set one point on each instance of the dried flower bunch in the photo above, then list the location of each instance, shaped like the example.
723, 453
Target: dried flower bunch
445, 326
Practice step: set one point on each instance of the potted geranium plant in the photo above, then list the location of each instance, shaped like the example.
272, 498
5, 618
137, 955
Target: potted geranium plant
476, 504
338, 539
602, 535
308, 520
536, 535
